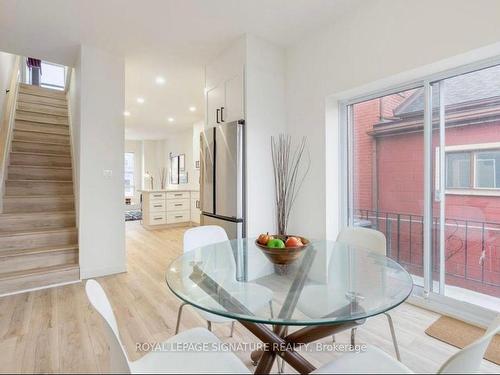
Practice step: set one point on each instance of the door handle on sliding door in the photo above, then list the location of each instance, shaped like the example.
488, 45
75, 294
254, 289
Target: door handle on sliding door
217, 116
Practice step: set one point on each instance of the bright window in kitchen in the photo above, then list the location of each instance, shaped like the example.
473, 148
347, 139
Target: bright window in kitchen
129, 175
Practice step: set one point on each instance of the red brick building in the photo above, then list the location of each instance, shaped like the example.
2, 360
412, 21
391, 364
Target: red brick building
389, 173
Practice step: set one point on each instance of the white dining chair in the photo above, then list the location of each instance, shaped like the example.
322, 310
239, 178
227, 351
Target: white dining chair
333, 298
254, 296
372, 240
164, 361
374, 360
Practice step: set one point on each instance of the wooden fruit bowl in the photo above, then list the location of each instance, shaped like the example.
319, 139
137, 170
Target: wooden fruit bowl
285, 255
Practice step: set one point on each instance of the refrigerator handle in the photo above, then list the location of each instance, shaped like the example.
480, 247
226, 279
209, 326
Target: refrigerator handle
217, 116
221, 114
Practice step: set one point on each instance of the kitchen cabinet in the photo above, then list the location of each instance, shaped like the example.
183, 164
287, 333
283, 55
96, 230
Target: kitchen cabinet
162, 208
225, 101
195, 207
215, 101
233, 90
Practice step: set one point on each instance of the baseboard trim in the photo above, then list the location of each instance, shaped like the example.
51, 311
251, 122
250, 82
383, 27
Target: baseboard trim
99, 272
40, 288
467, 312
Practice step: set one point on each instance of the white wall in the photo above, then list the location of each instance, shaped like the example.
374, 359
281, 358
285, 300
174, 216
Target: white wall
156, 156
265, 117
197, 129
153, 161
102, 225
6, 65
136, 148
381, 39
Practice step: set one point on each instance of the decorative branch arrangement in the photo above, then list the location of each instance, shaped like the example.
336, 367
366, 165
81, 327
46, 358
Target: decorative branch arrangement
151, 179
290, 171
163, 177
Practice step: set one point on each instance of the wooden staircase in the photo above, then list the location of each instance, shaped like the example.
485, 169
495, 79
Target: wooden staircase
38, 235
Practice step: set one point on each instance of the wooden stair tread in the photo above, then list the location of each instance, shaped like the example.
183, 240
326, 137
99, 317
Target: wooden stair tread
39, 115
38, 196
41, 118
34, 99
49, 181
37, 123
41, 91
39, 132
39, 142
30, 214
37, 250
36, 231
39, 154
42, 196
38, 167
41, 108
38, 271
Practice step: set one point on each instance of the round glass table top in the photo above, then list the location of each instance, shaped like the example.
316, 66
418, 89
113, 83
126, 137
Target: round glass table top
329, 283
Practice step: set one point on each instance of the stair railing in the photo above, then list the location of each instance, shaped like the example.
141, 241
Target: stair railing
7, 125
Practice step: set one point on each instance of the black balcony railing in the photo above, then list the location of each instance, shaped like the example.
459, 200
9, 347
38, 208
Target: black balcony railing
472, 252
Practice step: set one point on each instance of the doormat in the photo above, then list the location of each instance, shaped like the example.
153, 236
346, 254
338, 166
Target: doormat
461, 334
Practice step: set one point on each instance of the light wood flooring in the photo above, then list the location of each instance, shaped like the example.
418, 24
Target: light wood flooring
55, 330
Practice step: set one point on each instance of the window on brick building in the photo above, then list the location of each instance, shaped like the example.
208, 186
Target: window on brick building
474, 169
458, 170
488, 170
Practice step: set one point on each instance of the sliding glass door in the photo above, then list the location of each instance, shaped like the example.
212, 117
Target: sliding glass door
466, 150
387, 171
424, 168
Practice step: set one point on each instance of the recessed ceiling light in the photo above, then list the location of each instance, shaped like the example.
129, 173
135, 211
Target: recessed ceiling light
126, 113
171, 119
160, 80
140, 100
192, 108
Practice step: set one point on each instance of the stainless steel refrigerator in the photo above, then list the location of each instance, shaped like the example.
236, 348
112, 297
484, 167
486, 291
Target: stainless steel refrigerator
222, 177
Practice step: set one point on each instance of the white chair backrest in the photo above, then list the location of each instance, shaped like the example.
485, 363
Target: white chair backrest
203, 236
119, 361
221, 263
364, 238
468, 360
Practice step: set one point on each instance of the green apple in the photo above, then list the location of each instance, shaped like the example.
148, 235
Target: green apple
276, 243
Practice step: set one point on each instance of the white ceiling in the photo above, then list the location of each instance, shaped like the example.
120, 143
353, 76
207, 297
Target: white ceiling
171, 38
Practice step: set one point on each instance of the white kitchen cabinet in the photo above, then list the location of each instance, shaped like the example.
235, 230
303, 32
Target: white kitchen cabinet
225, 101
178, 195
163, 208
195, 207
234, 105
215, 101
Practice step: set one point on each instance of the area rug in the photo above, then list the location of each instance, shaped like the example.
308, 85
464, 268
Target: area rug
133, 215
461, 334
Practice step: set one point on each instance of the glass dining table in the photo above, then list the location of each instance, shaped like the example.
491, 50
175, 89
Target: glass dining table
330, 288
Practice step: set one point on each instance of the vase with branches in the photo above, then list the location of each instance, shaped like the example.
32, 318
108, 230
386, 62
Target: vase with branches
163, 177
291, 164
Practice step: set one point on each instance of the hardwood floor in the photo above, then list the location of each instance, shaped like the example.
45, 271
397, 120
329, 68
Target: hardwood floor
55, 330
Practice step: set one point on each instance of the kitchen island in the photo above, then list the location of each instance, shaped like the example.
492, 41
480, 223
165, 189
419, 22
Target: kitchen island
170, 207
